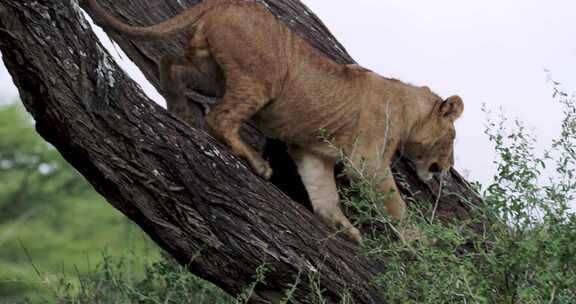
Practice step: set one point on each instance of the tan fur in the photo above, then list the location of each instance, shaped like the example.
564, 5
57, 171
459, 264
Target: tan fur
241, 52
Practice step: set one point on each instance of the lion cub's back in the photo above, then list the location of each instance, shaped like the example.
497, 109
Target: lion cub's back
248, 39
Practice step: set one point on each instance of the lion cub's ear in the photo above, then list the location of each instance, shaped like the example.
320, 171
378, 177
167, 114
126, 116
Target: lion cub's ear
452, 108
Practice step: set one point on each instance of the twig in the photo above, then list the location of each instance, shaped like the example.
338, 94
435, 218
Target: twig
437, 199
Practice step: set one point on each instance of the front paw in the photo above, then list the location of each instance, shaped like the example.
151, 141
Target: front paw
354, 234
342, 224
396, 207
410, 233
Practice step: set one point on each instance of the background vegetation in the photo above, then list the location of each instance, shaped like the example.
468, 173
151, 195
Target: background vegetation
53, 226
61, 243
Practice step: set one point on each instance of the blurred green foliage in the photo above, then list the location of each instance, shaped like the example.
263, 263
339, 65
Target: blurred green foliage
52, 224
60, 242
31, 172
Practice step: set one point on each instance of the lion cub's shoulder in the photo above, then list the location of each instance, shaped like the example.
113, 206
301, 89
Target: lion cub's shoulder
356, 69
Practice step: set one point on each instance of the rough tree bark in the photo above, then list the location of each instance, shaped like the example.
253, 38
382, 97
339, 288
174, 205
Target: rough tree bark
196, 200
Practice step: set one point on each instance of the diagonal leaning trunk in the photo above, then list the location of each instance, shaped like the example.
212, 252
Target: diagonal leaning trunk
197, 201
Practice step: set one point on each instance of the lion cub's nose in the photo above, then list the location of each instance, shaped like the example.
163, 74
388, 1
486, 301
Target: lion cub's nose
435, 168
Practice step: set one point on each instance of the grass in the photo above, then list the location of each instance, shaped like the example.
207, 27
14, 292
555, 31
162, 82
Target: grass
43, 249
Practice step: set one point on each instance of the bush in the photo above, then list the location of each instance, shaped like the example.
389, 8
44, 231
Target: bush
164, 281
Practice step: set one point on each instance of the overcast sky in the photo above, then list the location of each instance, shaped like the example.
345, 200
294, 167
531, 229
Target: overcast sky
492, 52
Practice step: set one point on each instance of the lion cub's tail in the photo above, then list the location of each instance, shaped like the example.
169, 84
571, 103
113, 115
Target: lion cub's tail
163, 29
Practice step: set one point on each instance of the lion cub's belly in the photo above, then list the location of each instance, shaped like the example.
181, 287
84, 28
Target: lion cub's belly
306, 123
289, 125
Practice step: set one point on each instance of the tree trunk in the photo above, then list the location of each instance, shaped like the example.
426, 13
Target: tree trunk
196, 200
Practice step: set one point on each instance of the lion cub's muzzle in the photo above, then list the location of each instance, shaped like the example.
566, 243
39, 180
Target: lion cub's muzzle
426, 171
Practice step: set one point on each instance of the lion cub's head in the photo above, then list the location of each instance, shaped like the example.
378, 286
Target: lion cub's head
430, 145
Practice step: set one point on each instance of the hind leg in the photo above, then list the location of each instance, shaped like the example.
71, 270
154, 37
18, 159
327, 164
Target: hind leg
172, 86
178, 73
243, 98
196, 70
203, 71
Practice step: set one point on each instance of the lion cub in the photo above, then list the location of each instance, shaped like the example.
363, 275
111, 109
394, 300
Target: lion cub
241, 52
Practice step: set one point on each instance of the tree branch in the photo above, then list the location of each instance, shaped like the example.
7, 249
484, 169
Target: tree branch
196, 200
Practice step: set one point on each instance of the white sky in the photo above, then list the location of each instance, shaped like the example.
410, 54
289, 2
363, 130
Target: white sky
492, 52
